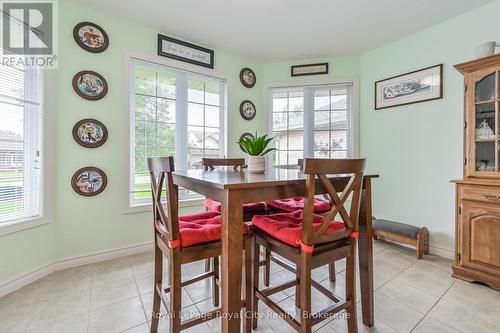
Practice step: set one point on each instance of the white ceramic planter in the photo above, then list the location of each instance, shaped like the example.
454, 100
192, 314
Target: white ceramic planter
256, 164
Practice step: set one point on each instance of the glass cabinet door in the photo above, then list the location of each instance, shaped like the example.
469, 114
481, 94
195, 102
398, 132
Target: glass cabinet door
487, 92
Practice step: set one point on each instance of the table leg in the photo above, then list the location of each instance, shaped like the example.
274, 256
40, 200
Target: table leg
232, 247
365, 254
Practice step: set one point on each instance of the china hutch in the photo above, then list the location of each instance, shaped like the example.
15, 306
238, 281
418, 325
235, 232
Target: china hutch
478, 193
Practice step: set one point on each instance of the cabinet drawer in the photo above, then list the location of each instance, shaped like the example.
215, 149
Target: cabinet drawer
481, 193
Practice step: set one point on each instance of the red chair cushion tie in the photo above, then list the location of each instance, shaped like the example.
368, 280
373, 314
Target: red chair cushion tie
215, 206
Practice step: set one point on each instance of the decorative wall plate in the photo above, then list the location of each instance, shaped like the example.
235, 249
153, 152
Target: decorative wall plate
247, 77
91, 37
90, 85
89, 181
90, 133
247, 110
244, 136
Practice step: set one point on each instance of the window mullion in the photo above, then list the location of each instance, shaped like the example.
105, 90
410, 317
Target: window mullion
181, 128
308, 122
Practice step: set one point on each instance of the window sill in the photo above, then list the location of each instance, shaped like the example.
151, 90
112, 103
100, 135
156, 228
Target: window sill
137, 209
15, 226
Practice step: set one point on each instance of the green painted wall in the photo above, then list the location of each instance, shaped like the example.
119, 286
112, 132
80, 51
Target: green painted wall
417, 149
86, 225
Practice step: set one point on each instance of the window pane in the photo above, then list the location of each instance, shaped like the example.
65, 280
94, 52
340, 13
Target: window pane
212, 114
280, 102
294, 156
212, 95
322, 141
195, 114
339, 99
145, 81
339, 140
339, 120
322, 100
156, 125
280, 121
281, 140
295, 140
20, 143
295, 121
195, 91
166, 110
322, 120
166, 85
296, 101
145, 107
212, 138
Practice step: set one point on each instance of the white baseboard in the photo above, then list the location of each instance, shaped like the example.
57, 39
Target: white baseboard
25, 279
442, 252
94, 257
60, 264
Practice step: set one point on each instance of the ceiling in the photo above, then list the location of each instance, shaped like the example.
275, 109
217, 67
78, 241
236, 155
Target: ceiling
270, 30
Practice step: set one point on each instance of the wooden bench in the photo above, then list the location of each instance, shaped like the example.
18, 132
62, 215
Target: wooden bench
402, 233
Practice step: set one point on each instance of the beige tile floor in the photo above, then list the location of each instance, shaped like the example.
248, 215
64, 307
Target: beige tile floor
116, 296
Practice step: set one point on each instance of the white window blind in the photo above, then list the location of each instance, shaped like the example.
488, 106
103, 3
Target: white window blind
174, 113
20, 143
311, 121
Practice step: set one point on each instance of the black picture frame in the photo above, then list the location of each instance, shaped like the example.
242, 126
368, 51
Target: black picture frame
439, 68
180, 58
292, 68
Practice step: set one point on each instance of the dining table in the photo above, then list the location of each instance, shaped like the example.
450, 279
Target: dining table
235, 188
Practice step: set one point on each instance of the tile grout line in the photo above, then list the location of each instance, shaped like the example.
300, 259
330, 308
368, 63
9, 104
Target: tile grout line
432, 307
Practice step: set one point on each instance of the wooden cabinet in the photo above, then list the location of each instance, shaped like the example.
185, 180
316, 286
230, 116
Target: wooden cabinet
478, 193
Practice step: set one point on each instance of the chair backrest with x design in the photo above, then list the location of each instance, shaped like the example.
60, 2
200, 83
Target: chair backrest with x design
160, 170
211, 163
317, 170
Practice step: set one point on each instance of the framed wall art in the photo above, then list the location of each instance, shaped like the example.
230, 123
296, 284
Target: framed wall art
90, 133
419, 86
247, 110
89, 181
247, 77
310, 69
90, 85
180, 50
90, 37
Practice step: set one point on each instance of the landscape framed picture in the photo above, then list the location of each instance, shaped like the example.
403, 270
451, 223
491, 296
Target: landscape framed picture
419, 86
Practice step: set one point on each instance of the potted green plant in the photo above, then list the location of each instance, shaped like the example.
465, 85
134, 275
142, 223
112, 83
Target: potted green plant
256, 148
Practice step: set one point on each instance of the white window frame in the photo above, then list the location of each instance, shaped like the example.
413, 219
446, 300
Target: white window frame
353, 119
47, 166
129, 95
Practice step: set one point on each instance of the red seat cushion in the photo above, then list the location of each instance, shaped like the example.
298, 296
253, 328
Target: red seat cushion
215, 206
293, 204
287, 227
201, 228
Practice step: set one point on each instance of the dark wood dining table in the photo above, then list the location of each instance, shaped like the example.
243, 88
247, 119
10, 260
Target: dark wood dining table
235, 188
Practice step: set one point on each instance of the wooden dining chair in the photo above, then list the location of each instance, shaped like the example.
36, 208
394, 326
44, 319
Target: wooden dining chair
309, 241
185, 239
288, 206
